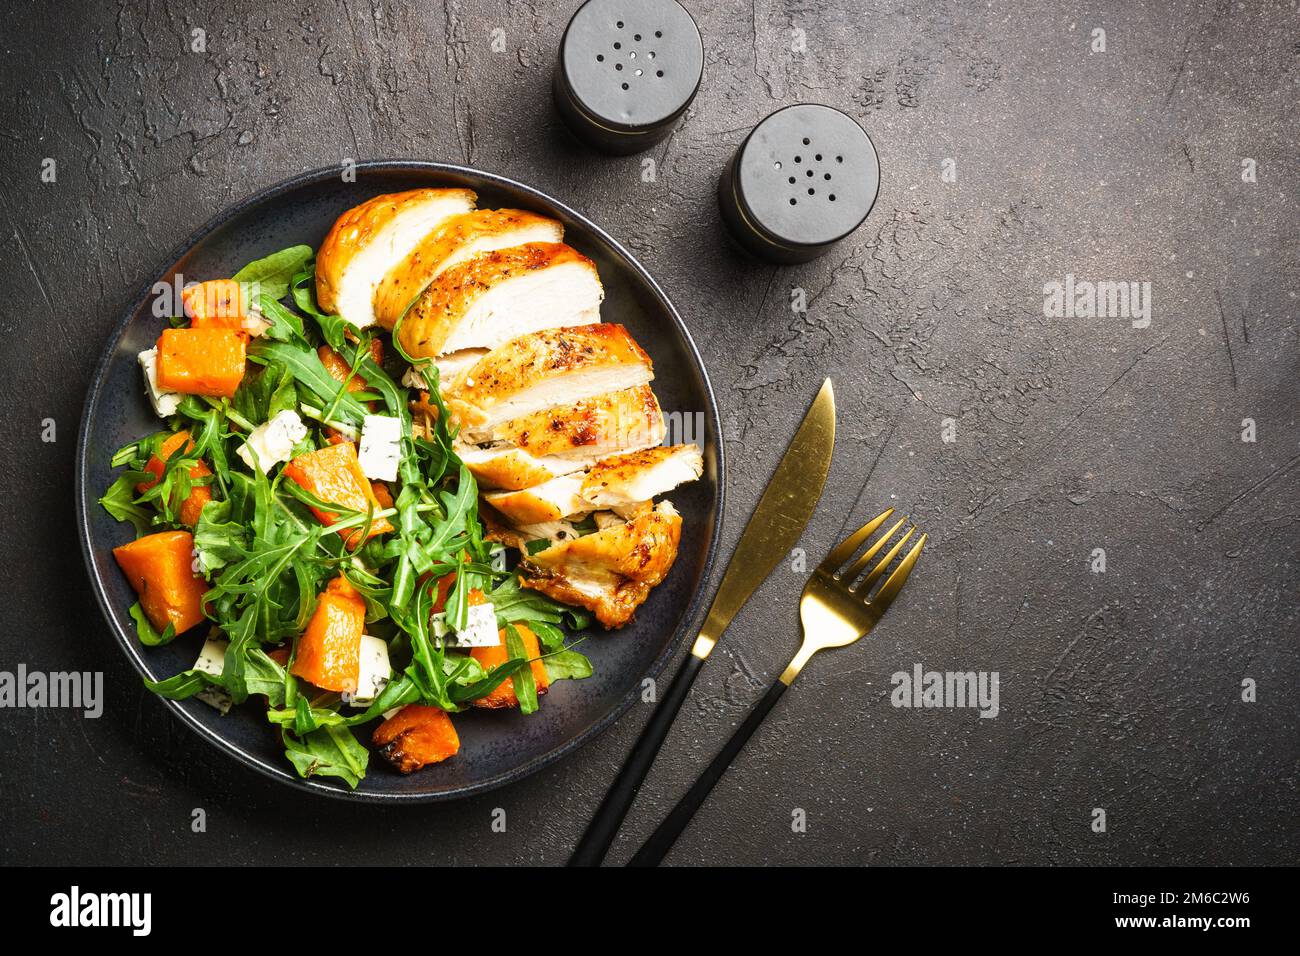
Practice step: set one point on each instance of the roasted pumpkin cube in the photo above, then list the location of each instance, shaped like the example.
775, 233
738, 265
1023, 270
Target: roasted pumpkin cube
334, 475
161, 569
329, 651
416, 736
199, 495
490, 657
215, 304
201, 361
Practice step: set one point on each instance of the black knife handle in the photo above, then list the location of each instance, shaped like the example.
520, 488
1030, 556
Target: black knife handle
662, 840
605, 824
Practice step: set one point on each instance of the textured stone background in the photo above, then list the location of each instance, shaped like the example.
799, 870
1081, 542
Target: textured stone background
1118, 690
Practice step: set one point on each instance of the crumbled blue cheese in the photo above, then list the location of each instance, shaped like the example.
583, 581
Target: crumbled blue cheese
413, 379
272, 442
375, 671
480, 627
212, 660
381, 447
164, 403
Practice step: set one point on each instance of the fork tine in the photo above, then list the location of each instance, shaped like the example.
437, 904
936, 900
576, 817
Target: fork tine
869, 581
851, 574
894, 583
845, 549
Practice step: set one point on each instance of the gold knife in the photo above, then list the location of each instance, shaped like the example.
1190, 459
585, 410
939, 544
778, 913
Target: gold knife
783, 512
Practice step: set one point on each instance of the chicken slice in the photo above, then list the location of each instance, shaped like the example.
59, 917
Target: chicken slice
502, 468
456, 241
367, 241
497, 296
609, 572
524, 536
590, 429
552, 501
449, 368
544, 369
638, 476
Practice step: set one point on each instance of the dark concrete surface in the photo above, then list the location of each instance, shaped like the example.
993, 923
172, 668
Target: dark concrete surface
1119, 690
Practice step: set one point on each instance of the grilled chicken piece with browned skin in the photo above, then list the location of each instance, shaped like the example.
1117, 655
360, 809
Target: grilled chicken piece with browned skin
456, 240
542, 370
609, 572
556, 499
369, 240
497, 296
590, 429
629, 479
449, 369
502, 468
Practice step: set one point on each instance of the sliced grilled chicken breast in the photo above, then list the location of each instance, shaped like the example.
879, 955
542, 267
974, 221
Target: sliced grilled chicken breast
369, 240
456, 241
519, 538
503, 468
609, 572
556, 499
541, 370
590, 429
497, 296
640, 475
449, 368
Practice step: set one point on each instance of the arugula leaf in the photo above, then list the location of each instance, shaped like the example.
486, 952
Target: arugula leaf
145, 630
217, 540
259, 675
120, 501
266, 393
465, 693
306, 367
327, 752
566, 665
286, 325
303, 289
183, 685
561, 663
524, 683
515, 603
271, 275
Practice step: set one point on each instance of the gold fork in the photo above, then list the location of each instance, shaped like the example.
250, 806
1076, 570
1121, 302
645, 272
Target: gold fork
836, 610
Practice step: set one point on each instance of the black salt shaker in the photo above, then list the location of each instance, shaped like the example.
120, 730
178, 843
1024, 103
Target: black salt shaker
803, 179
628, 69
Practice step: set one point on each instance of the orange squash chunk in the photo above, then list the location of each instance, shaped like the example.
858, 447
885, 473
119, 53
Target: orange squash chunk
215, 304
200, 495
329, 651
416, 736
490, 657
160, 568
339, 369
201, 361
333, 474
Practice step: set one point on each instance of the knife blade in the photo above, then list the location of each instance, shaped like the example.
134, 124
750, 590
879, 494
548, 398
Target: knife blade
783, 512
788, 502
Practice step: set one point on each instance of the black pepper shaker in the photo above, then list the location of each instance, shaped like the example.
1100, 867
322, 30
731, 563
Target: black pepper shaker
804, 178
628, 69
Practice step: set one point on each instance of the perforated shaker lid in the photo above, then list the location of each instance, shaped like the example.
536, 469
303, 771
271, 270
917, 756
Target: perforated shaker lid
632, 65
806, 177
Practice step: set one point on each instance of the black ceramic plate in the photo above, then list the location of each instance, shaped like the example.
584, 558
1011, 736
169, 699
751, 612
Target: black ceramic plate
496, 748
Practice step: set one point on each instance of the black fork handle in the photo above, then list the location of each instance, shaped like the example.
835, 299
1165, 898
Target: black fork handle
609, 816
662, 840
